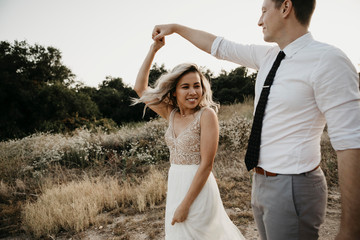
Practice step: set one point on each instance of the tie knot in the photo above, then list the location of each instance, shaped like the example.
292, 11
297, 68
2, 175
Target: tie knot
280, 56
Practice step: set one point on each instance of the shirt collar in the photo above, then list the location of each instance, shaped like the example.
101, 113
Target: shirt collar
298, 44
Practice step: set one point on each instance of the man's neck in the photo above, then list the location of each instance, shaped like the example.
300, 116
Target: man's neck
290, 34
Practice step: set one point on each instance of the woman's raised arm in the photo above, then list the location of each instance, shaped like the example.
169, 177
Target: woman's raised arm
142, 79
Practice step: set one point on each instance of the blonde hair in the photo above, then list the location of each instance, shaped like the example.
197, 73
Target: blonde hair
165, 86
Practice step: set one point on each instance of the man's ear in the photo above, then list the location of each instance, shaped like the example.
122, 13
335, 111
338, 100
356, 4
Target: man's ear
286, 7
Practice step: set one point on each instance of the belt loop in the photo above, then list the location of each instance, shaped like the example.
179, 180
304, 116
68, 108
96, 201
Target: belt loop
265, 174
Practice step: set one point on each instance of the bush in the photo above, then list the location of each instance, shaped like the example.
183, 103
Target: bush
128, 148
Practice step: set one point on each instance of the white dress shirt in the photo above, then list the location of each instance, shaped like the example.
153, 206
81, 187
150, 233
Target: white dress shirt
316, 84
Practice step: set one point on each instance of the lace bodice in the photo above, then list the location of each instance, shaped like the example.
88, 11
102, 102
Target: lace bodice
185, 148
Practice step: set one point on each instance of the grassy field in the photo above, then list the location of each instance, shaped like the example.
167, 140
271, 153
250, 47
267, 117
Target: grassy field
54, 185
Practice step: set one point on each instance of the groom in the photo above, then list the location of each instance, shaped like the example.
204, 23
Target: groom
312, 84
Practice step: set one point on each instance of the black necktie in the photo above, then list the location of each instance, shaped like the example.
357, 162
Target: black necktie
253, 150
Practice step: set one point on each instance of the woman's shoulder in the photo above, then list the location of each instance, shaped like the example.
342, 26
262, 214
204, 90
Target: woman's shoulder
207, 113
207, 110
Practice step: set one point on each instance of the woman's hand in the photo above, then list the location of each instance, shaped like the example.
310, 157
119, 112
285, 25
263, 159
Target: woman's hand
158, 43
180, 214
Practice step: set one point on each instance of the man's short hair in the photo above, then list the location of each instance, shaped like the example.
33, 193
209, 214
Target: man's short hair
303, 9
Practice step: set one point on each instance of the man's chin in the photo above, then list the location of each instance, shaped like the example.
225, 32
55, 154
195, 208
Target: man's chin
268, 39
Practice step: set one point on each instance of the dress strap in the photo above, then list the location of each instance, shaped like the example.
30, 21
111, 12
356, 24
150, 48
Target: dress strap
200, 112
171, 117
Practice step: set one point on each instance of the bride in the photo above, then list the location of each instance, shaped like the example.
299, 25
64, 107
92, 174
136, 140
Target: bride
194, 209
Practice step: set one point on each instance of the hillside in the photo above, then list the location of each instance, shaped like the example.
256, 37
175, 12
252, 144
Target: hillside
111, 183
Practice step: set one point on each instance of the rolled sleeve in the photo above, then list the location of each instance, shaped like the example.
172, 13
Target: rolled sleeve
344, 125
250, 56
337, 95
215, 46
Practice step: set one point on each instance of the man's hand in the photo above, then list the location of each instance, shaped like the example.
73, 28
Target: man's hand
160, 31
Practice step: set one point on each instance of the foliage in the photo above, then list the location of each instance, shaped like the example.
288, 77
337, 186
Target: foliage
114, 99
35, 91
234, 86
34, 65
39, 93
235, 133
124, 149
156, 72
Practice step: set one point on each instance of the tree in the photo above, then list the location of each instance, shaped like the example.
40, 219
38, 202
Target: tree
59, 105
35, 90
234, 86
113, 99
155, 73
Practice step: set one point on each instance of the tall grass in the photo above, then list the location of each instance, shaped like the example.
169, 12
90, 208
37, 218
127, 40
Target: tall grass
75, 206
243, 110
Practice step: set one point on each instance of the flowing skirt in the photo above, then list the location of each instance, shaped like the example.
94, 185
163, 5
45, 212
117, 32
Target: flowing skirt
207, 219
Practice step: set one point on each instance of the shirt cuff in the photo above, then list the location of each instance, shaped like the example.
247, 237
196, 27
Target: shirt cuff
215, 45
352, 142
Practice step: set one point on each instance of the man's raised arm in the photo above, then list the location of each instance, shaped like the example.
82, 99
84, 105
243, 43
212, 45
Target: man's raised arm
202, 40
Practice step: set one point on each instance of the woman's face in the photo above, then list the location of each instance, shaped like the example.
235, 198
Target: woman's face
189, 91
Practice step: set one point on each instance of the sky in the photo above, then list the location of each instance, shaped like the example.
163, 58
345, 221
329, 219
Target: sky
112, 37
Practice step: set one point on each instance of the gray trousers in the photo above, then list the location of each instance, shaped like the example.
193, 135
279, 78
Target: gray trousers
290, 206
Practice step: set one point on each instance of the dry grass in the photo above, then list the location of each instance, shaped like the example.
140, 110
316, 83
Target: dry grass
5, 190
75, 206
329, 161
245, 110
234, 184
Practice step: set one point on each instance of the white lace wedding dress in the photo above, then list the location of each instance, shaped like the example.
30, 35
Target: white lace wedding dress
207, 219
